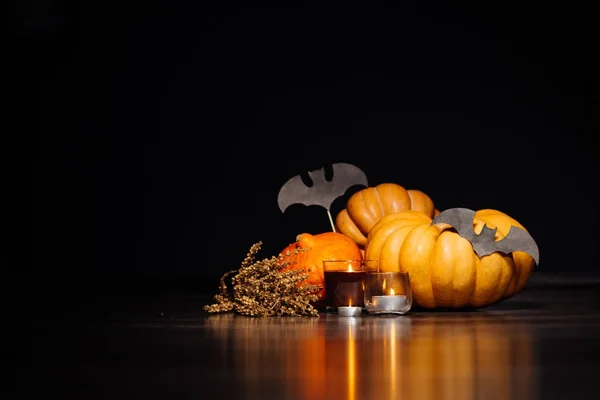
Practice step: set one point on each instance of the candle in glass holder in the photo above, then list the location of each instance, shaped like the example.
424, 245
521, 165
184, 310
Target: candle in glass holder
387, 293
344, 281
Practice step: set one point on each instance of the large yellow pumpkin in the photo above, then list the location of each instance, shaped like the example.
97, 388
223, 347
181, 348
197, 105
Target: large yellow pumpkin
369, 205
308, 252
443, 268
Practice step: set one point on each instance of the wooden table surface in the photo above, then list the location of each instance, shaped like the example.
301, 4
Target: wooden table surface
542, 344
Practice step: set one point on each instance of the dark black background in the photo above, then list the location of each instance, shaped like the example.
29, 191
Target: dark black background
162, 131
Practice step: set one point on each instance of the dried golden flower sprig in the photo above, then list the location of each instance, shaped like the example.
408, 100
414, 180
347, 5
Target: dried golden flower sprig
265, 288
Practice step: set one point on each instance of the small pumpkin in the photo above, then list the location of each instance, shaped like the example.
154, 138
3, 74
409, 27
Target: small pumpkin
367, 206
444, 269
308, 252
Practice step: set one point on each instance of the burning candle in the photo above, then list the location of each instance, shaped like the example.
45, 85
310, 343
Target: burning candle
388, 293
344, 281
349, 310
389, 302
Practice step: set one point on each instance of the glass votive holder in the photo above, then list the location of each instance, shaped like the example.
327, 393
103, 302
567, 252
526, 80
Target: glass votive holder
387, 293
344, 282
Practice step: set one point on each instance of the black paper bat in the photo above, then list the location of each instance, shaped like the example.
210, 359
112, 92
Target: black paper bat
484, 244
322, 192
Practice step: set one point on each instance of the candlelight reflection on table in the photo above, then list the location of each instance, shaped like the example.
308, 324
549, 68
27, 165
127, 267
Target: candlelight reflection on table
422, 357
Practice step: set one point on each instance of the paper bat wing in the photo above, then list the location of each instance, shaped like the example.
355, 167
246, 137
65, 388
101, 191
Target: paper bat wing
483, 243
292, 192
322, 192
461, 219
517, 239
345, 176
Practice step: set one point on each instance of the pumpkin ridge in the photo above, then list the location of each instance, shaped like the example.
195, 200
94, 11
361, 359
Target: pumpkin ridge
378, 197
477, 265
430, 270
454, 279
362, 202
433, 293
410, 198
433, 297
515, 275
458, 273
497, 295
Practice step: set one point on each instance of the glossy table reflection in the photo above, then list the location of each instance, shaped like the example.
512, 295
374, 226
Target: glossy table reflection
462, 357
542, 344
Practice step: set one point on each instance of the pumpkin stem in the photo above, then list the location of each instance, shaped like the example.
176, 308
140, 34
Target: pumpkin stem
303, 237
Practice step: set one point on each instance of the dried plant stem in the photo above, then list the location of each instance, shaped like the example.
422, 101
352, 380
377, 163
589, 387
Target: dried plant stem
265, 288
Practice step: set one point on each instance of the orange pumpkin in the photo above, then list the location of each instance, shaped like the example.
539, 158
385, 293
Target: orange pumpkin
308, 252
444, 270
369, 205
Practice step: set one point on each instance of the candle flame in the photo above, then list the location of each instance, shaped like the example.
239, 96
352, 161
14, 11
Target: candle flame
349, 302
350, 268
392, 292
383, 285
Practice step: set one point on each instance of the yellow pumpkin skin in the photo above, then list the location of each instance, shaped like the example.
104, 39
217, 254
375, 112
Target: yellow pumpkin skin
444, 270
369, 205
308, 252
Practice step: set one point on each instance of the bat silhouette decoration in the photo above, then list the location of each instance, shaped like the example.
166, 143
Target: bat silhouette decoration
483, 243
322, 193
